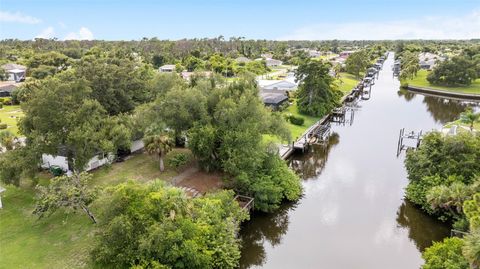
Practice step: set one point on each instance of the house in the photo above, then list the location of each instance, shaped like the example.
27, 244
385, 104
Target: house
272, 62
428, 60
313, 53
15, 72
242, 60
266, 55
283, 85
344, 54
186, 75
7, 87
273, 98
97, 161
167, 68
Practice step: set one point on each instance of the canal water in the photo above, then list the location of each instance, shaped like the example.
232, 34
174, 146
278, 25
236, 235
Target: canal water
353, 214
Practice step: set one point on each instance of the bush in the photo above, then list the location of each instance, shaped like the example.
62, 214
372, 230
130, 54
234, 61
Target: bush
178, 160
7, 102
296, 120
1, 105
3, 126
446, 254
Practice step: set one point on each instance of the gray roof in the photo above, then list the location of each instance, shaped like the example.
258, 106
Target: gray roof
8, 88
12, 66
271, 98
281, 85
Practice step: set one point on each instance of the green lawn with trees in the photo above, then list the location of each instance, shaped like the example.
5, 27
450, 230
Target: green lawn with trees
420, 80
10, 114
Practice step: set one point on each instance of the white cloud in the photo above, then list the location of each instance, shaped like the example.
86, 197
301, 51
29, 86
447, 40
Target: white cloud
46, 33
83, 34
18, 17
458, 27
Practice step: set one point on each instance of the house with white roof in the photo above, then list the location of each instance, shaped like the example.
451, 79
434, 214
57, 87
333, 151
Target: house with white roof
428, 60
15, 72
272, 62
168, 68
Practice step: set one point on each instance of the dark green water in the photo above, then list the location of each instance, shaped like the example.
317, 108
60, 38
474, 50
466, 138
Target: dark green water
353, 214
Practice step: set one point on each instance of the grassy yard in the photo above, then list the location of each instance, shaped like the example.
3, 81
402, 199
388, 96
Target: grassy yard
466, 127
421, 81
10, 116
64, 239
347, 82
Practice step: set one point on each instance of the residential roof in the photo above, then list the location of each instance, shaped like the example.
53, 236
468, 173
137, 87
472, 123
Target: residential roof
242, 59
8, 86
12, 66
167, 66
283, 85
270, 98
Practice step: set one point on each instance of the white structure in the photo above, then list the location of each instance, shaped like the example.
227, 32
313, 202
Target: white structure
15, 72
167, 68
273, 62
428, 60
281, 85
1, 190
242, 60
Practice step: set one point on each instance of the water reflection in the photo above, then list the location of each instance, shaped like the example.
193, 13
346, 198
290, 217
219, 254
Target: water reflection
312, 163
419, 226
442, 110
265, 228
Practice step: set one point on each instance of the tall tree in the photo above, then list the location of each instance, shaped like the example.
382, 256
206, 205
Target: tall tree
60, 118
317, 93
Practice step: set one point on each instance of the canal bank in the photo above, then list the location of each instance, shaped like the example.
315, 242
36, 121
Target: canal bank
353, 214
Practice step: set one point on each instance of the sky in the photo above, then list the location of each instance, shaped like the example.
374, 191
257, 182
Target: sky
267, 19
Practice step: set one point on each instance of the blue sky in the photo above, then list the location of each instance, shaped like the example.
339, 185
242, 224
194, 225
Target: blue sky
279, 19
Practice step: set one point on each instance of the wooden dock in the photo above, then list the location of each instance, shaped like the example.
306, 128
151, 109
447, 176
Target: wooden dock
317, 133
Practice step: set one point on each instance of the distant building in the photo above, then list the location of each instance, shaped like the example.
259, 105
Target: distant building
15, 72
428, 60
242, 60
7, 87
168, 68
273, 62
313, 53
281, 85
187, 75
346, 53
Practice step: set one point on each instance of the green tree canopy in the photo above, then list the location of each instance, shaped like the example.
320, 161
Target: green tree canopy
147, 224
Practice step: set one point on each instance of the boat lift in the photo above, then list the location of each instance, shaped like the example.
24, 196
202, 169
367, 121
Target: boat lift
408, 140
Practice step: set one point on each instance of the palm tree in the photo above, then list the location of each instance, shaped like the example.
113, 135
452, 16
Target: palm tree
471, 249
159, 145
469, 117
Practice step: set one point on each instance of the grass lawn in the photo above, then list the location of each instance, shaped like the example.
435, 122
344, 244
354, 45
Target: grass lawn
347, 82
62, 240
10, 115
476, 126
421, 81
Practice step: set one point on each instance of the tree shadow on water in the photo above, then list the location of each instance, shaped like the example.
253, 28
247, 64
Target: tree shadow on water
423, 229
261, 229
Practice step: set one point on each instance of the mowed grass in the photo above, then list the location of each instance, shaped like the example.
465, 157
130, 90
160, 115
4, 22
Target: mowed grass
421, 81
10, 116
62, 240
347, 82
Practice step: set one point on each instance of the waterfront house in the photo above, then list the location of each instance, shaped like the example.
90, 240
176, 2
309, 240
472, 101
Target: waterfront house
428, 60
273, 98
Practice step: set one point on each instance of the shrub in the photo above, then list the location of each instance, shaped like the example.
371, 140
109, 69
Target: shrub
7, 102
446, 254
178, 160
1, 105
3, 126
296, 120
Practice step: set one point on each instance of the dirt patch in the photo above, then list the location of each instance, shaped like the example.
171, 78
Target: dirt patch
203, 182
